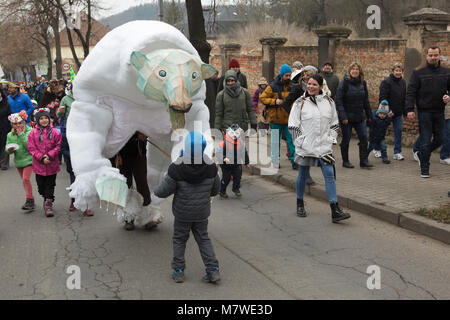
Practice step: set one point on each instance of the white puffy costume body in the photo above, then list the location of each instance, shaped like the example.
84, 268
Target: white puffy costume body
136, 76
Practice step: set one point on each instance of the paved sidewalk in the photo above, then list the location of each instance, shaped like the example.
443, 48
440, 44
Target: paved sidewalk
388, 191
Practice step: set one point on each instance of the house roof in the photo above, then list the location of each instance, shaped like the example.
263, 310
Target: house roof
98, 31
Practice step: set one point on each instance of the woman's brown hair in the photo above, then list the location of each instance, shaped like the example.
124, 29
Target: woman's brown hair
361, 72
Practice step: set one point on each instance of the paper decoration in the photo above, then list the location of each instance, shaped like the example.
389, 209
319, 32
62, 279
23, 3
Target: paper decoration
112, 190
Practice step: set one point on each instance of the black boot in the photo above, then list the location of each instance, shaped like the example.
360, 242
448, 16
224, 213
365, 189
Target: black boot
363, 155
129, 226
345, 162
301, 212
337, 214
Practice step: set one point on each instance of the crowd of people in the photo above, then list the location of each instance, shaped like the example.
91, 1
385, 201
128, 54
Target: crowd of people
302, 105
306, 106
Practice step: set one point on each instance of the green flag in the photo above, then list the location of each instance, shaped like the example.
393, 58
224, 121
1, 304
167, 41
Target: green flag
72, 74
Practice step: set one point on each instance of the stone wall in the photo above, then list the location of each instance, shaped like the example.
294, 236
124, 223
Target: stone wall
375, 55
441, 39
308, 55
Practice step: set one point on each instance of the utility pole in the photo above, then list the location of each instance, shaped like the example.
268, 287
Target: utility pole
161, 7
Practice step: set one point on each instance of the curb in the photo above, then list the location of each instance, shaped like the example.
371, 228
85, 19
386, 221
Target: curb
406, 220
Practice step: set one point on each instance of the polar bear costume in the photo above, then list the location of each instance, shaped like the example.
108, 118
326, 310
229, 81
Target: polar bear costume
122, 88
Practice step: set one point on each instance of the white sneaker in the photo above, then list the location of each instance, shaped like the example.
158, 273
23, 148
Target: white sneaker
445, 161
377, 153
398, 156
416, 155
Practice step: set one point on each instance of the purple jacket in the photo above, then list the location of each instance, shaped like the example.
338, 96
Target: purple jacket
40, 148
256, 99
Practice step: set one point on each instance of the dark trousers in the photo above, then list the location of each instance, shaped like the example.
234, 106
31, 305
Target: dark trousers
4, 158
429, 123
229, 171
181, 231
361, 131
380, 146
137, 167
46, 186
65, 151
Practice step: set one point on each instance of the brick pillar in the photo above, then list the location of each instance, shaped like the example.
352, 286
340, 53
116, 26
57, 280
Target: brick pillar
269, 45
329, 36
421, 23
227, 51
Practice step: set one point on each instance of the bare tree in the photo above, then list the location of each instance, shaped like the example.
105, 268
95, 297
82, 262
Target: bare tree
86, 7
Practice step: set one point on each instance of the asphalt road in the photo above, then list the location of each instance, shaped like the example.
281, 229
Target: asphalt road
265, 252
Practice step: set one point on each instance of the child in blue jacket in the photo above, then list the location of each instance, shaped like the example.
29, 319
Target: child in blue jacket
382, 118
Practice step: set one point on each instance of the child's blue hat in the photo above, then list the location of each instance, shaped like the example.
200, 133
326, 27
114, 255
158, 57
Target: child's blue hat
194, 145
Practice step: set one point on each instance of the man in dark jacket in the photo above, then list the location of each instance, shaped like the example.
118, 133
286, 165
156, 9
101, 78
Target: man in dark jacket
331, 79
193, 182
132, 162
5, 128
429, 88
236, 67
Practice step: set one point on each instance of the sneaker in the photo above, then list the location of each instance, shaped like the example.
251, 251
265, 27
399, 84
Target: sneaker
88, 213
377, 153
223, 194
386, 161
72, 206
151, 225
237, 193
398, 156
178, 275
416, 155
129, 226
29, 205
212, 275
445, 161
424, 174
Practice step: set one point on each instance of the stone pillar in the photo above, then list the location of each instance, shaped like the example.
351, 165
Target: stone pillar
228, 50
269, 45
419, 23
329, 36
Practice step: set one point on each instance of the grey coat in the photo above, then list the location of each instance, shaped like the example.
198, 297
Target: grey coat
192, 186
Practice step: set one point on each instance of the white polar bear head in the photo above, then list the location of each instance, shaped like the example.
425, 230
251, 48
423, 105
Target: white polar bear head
172, 76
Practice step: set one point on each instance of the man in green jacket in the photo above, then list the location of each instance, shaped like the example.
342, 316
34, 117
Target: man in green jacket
331, 79
234, 105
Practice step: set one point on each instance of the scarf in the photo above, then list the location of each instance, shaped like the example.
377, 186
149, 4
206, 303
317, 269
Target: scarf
235, 90
41, 129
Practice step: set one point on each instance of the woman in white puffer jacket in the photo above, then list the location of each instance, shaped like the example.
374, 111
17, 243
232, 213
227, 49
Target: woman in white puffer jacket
313, 123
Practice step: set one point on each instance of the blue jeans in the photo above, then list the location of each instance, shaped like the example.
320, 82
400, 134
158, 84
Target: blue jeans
445, 151
398, 123
430, 124
275, 142
381, 146
330, 183
361, 131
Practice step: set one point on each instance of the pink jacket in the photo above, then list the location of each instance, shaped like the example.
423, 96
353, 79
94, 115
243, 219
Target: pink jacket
40, 148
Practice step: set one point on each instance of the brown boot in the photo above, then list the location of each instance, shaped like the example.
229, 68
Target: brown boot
72, 207
48, 208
